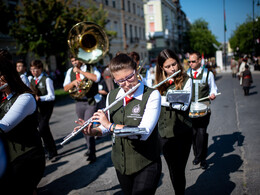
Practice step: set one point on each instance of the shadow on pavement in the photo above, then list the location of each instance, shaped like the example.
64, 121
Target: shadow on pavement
216, 179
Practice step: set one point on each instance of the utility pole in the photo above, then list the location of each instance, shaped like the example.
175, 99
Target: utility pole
123, 25
225, 29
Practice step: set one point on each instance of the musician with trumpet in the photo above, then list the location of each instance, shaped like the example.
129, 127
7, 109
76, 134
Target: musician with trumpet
203, 86
85, 102
136, 154
174, 124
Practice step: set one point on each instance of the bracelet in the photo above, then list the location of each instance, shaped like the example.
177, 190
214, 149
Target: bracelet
110, 127
114, 126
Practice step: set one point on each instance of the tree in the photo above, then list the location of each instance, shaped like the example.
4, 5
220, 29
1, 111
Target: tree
6, 16
242, 41
201, 38
42, 26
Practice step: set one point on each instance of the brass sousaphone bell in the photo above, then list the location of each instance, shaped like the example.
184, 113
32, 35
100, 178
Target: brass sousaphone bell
89, 43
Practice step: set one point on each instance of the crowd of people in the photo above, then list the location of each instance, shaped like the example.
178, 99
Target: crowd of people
157, 119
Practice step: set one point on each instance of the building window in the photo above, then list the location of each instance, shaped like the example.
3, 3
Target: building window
150, 9
131, 33
125, 30
106, 2
140, 33
114, 3
115, 26
138, 10
134, 8
136, 31
123, 6
151, 27
129, 6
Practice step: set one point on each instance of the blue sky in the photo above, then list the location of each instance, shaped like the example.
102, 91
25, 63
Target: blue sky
212, 11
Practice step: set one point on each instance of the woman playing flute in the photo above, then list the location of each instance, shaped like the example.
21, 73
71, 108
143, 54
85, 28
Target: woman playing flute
137, 157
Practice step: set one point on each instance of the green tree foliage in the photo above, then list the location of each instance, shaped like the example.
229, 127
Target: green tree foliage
42, 26
242, 41
201, 38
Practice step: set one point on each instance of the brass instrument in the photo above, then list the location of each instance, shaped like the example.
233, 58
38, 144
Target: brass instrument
139, 68
89, 43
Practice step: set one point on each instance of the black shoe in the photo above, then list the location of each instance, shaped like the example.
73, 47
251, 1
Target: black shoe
204, 165
92, 158
196, 161
52, 155
86, 153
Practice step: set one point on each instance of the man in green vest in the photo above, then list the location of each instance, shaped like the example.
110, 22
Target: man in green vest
43, 88
203, 86
86, 104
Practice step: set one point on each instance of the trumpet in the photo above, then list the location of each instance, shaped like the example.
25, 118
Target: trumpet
73, 133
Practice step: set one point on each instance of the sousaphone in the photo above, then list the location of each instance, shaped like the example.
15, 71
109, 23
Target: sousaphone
89, 43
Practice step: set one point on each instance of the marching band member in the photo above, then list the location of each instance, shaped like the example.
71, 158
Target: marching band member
85, 106
18, 129
43, 87
174, 123
137, 157
203, 86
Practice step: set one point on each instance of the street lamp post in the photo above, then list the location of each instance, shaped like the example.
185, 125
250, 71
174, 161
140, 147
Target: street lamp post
258, 4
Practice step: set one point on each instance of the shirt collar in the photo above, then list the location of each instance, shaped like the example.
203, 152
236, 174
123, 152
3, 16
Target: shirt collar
39, 77
10, 96
138, 94
199, 70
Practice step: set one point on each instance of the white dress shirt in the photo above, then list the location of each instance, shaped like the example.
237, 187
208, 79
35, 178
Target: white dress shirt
83, 67
25, 80
50, 89
151, 112
211, 81
24, 105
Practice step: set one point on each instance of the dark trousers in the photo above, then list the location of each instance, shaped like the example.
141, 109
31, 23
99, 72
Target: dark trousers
86, 111
176, 152
246, 90
144, 182
44, 115
200, 137
24, 173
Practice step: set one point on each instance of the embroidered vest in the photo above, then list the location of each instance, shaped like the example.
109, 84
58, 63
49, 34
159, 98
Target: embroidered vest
93, 90
200, 86
131, 155
173, 122
40, 89
23, 137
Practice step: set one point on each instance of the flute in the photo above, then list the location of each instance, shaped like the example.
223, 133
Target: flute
4, 86
174, 74
73, 133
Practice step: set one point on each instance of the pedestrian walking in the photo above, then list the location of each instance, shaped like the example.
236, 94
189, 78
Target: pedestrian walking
86, 105
43, 88
174, 124
247, 80
203, 86
136, 157
23, 158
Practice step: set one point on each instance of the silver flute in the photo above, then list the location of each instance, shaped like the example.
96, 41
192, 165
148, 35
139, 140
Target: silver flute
174, 74
73, 133
4, 86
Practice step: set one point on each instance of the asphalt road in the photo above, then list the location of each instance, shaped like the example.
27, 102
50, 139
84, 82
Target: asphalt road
233, 153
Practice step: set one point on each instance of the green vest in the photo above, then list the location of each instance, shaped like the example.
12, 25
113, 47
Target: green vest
93, 90
23, 137
173, 122
131, 155
203, 87
40, 89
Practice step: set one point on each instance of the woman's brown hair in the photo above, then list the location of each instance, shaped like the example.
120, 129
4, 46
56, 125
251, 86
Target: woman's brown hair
160, 74
121, 61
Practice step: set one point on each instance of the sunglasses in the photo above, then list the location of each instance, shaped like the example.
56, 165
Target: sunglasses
129, 78
193, 61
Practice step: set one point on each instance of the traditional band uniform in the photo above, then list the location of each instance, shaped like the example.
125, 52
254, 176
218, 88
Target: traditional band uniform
175, 130
43, 86
25, 153
203, 86
137, 158
86, 106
